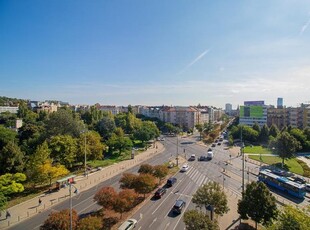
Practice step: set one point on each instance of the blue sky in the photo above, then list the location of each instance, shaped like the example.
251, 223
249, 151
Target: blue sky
174, 52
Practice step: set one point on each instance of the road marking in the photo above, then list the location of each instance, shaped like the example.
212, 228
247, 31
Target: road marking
141, 215
139, 228
152, 222
167, 225
187, 204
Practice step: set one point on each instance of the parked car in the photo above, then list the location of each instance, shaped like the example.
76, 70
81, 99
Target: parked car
213, 145
171, 181
192, 158
184, 168
160, 192
128, 224
209, 149
308, 187
178, 206
219, 143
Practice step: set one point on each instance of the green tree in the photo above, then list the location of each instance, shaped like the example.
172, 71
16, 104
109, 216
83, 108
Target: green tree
11, 183
299, 135
211, 193
94, 148
63, 149
64, 122
26, 114
195, 220
119, 143
291, 218
60, 220
264, 134
286, 145
90, 223
256, 127
121, 120
257, 195
3, 201
11, 159
6, 136
199, 127
106, 127
36, 160
273, 131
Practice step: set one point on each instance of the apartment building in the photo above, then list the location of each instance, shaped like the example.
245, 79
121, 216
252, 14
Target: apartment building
253, 112
10, 109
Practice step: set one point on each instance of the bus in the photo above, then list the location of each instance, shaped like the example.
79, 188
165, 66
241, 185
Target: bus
282, 183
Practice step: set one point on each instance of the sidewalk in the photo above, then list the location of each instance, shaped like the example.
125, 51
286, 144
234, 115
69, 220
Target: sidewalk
31, 207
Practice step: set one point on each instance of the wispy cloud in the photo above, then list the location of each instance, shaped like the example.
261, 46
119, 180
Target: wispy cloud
304, 27
194, 61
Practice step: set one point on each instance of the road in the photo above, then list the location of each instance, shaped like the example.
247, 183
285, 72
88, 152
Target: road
156, 214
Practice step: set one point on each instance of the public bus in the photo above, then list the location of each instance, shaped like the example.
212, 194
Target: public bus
282, 183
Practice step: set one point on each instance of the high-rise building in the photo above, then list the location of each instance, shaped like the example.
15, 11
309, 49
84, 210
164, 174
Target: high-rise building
280, 103
228, 109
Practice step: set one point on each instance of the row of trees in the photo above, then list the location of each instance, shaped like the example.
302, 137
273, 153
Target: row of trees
133, 185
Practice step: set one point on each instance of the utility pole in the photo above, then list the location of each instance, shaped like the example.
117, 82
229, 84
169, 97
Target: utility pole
177, 151
242, 152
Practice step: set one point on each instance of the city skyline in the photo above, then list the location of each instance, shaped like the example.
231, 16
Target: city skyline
154, 53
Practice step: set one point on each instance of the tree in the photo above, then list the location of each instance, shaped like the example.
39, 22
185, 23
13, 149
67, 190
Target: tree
299, 135
194, 220
63, 149
60, 220
11, 183
6, 136
106, 127
144, 183
35, 162
90, 223
146, 168
264, 134
256, 127
119, 143
3, 201
94, 148
64, 122
50, 171
286, 145
258, 204
211, 194
105, 197
291, 218
160, 171
128, 180
273, 131
11, 159
125, 201
199, 127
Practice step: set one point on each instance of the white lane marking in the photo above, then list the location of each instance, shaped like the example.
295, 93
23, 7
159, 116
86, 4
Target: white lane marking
141, 215
206, 180
200, 180
187, 204
152, 222
167, 225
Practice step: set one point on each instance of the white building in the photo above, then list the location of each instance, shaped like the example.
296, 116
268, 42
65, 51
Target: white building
11, 109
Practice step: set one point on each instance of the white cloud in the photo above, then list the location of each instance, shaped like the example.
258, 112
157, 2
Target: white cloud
304, 27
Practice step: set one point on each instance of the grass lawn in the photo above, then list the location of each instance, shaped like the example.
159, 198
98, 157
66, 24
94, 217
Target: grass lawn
257, 149
290, 164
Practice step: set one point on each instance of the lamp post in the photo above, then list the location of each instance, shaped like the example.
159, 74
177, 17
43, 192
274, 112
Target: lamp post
177, 151
70, 192
85, 167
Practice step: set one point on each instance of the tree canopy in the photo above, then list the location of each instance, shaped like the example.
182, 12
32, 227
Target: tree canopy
195, 220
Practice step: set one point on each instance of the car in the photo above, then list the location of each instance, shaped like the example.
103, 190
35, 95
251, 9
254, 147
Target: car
308, 187
160, 192
209, 149
184, 168
178, 206
171, 181
192, 158
299, 180
128, 224
203, 158
213, 145
219, 143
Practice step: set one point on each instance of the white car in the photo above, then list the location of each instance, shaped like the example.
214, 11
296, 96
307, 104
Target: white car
128, 224
184, 168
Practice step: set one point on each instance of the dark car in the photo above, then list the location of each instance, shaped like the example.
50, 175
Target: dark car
213, 145
202, 158
160, 192
219, 143
209, 149
171, 181
178, 206
300, 180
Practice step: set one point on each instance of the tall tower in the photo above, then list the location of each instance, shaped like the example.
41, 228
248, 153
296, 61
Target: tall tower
280, 103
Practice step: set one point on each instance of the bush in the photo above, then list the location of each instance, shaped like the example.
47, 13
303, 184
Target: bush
305, 167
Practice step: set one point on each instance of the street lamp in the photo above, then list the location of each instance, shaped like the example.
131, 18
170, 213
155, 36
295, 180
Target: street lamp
177, 151
85, 167
70, 192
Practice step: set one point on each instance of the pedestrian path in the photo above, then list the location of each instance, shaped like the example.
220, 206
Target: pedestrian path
46, 201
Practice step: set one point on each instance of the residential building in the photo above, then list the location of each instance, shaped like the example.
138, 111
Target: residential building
10, 109
228, 109
253, 112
